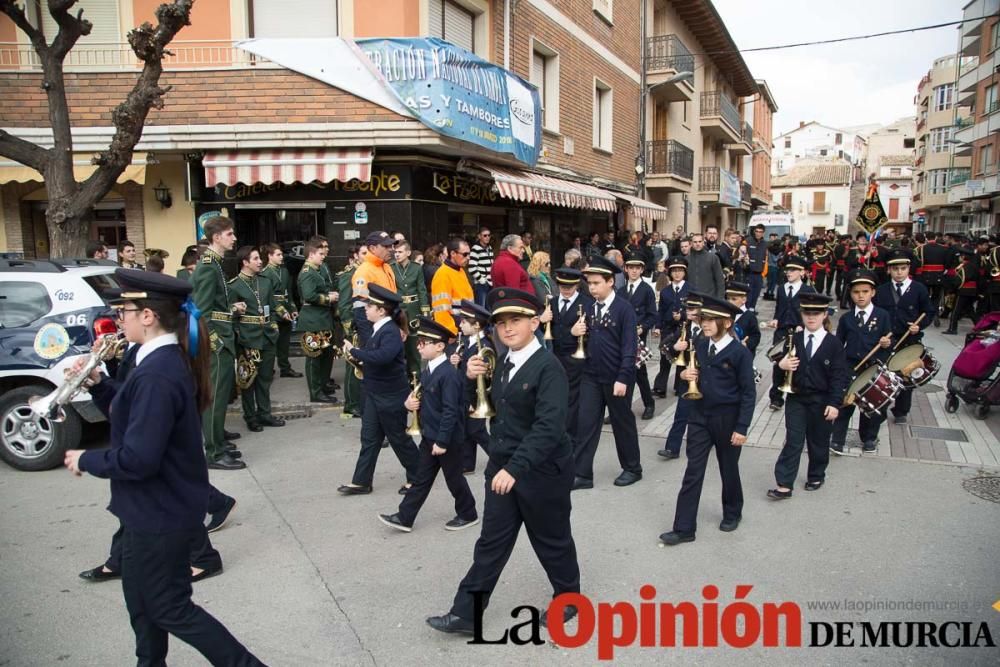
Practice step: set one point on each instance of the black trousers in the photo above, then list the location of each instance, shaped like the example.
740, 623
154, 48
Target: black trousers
427, 469
868, 427
904, 401
778, 375
822, 282
704, 433
384, 417
804, 425
965, 306
662, 375
594, 398
574, 375
156, 582
540, 500
675, 436
642, 382
476, 435
203, 555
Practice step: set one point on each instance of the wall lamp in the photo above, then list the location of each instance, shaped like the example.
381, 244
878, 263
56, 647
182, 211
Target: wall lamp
162, 193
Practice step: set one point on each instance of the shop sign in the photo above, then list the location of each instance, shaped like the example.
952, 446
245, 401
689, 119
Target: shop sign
360, 213
385, 183
463, 188
460, 95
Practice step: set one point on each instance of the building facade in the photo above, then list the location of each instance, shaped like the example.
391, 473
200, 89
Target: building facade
817, 193
938, 166
760, 110
818, 142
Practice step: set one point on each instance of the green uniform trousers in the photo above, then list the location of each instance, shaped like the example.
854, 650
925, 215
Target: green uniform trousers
213, 420
257, 397
318, 373
284, 340
352, 391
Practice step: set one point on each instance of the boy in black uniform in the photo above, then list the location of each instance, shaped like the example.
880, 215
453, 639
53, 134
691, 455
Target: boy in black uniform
472, 323
720, 419
905, 300
671, 318
642, 297
860, 330
530, 473
608, 377
690, 330
570, 307
819, 381
441, 411
745, 328
787, 317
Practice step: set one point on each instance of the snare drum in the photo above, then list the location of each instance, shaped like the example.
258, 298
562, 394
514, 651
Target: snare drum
915, 365
873, 389
776, 351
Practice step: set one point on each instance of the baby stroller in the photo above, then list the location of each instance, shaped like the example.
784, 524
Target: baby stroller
975, 375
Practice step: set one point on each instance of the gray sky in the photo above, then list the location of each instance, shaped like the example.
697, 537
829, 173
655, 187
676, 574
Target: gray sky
852, 83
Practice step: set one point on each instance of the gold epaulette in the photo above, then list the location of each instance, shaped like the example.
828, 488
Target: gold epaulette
206, 259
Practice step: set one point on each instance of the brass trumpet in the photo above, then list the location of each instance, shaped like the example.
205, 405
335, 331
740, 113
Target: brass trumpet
548, 325
786, 386
51, 406
693, 393
358, 366
581, 350
484, 407
414, 428
681, 361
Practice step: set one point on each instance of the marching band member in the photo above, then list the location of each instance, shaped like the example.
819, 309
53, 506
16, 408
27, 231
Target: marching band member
671, 317
441, 409
932, 262
822, 267
473, 322
384, 390
860, 330
530, 473
608, 377
966, 289
641, 296
318, 297
840, 251
787, 316
567, 309
720, 419
819, 381
905, 300
745, 327
277, 273
690, 330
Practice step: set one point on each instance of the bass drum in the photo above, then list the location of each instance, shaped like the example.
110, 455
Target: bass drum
915, 365
873, 389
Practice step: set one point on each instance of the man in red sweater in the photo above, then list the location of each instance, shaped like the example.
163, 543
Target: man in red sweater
507, 270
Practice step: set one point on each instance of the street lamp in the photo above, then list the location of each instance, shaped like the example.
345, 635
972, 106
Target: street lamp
676, 78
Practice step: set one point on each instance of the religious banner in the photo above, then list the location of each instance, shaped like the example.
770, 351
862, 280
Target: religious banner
872, 216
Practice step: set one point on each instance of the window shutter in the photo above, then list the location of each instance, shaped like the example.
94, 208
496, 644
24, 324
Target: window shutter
435, 21
294, 18
893, 209
786, 200
458, 26
103, 14
538, 74
819, 201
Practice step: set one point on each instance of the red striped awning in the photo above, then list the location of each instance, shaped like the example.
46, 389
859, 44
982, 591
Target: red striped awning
287, 166
641, 208
531, 188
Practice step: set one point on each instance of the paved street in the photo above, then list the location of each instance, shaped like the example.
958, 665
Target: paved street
313, 579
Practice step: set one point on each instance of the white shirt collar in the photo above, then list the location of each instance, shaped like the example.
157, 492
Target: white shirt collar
867, 311
722, 343
434, 363
471, 340
906, 284
381, 323
151, 346
795, 287
606, 304
629, 283
518, 357
571, 299
818, 337
678, 286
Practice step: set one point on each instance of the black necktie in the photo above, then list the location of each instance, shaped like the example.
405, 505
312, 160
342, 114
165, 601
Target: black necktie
631, 290
599, 306
899, 290
711, 351
861, 318
677, 290
565, 306
508, 365
809, 347
790, 295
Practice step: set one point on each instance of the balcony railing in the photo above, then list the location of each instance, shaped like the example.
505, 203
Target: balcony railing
746, 192
708, 179
118, 56
668, 52
964, 122
670, 157
717, 104
747, 133
960, 177
990, 108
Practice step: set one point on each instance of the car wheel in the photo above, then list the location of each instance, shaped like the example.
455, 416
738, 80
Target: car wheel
31, 443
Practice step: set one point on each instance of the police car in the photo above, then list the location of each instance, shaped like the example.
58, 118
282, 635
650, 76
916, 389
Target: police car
50, 313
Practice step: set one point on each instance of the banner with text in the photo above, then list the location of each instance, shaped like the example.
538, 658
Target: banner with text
459, 94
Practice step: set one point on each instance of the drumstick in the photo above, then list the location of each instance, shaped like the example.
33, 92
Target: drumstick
907, 334
868, 356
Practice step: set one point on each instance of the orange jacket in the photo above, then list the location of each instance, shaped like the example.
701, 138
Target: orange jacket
371, 270
449, 286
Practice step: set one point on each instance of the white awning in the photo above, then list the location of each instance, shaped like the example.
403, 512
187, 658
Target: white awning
288, 166
642, 208
532, 188
15, 172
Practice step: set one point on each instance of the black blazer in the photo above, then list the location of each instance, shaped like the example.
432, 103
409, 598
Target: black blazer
747, 322
786, 310
915, 300
858, 341
824, 378
671, 303
726, 382
564, 343
384, 361
611, 344
442, 408
644, 302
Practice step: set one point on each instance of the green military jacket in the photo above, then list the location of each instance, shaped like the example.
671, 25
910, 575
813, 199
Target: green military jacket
410, 285
184, 274
211, 295
281, 282
256, 327
346, 302
316, 314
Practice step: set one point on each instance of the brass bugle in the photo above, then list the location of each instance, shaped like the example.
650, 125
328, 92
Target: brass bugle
581, 349
413, 429
681, 359
483, 409
693, 393
548, 325
786, 386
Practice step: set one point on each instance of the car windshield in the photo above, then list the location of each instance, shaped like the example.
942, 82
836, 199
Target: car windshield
103, 284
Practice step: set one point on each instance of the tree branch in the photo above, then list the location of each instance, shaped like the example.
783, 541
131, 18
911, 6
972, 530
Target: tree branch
22, 151
17, 15
71, 28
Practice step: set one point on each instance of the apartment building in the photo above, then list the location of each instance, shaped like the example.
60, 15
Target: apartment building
890, 156
818, 194
938, 166
978, 136
697, 134
815, 141
759, 112
288, 155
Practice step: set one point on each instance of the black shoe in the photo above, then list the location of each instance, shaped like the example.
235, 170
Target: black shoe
569, 613
403, 490
607, 420
226, 462
235, 453
205, 574
353, 490
949, 332
329, 400
901, 419
627, 478
229, 435
937, 321
270, 421
647, 414
330, 388
228, 446
290, 373
659, 394
729, 525
838, 450
776, 494
458, 523
393, 521
451, 624
219, 519
667, 454
869, 447
582, 483
254, 427
814, 486
98, 575
775, 406
674, 538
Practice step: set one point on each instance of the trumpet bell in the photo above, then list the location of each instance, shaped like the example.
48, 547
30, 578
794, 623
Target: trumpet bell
693, 393
45, 407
